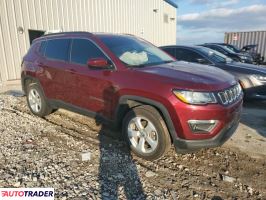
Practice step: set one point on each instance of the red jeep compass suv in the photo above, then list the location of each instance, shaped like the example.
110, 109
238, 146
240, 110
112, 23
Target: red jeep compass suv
123, 79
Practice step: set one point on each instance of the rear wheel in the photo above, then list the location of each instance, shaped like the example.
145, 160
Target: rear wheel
146, 132
37, 101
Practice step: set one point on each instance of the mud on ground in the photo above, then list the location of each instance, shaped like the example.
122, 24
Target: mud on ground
47, 152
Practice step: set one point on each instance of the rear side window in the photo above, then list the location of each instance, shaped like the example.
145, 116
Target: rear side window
82, 50
188, 55
182, 54
32, 50
57, 49
170, 51
219, 49
42, 48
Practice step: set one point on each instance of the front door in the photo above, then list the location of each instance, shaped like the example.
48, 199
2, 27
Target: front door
93, 87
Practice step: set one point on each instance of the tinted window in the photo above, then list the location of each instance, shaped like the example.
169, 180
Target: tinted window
179, 54
189, 56
33, 48
83, 50
182, 54
57, 49
170, 51
42, 47
193, 56
215, 55
227, 49
219, 49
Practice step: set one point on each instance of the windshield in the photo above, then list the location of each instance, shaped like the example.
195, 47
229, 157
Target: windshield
135, 52
232, 48
228, 49
215, 55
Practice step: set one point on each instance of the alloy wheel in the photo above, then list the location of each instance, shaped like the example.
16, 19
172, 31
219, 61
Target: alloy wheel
34, 100
142, 135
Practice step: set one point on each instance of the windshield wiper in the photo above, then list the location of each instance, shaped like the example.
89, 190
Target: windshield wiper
142, 65
151, 64
169, 61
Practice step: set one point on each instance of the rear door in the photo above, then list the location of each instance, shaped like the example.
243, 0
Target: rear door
54, 63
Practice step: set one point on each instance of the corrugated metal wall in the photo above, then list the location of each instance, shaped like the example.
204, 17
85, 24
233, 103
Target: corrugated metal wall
241, 39
119, 16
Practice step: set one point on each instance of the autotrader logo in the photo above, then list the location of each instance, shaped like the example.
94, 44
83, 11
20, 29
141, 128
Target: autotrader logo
27, 193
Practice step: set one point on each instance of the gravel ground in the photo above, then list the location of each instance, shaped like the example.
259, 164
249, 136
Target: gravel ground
50, 152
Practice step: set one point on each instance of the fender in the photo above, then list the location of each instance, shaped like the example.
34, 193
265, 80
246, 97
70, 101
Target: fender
123, 105
33, 79
24, 77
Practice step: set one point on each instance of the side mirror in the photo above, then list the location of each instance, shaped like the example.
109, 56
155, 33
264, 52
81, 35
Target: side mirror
201, 61
227, 60
98, 63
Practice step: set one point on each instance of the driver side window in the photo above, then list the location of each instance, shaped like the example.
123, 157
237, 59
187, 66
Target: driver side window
197, 58
191, 56
82, 50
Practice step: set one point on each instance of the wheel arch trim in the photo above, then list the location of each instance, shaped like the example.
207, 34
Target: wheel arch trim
123, 100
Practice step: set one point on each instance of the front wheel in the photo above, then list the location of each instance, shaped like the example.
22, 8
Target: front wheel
146, 132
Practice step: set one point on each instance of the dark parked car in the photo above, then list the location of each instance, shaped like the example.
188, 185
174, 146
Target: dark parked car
238, 57
129, 82
251, 77
248, 49
251, 50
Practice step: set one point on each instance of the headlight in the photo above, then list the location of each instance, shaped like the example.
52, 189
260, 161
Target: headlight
198, 98
246, 58
260, 78
239, 89
243, 57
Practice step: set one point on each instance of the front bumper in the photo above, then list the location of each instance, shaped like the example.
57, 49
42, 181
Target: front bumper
228, 118
256, 92
253, 88
186, 146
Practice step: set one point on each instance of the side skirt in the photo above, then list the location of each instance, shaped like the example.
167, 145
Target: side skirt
76, 109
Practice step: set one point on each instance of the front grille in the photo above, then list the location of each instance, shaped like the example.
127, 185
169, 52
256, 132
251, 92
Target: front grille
230, 95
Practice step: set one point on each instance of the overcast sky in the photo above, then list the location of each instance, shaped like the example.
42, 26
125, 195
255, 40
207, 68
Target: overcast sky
200, 21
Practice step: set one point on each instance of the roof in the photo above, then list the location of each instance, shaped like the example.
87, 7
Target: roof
79, 33
179, 46
171, 3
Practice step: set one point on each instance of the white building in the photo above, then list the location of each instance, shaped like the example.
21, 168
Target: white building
23, 20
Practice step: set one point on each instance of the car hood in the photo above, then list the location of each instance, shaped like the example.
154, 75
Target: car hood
249, 47
255, 69
246, 54
191, 76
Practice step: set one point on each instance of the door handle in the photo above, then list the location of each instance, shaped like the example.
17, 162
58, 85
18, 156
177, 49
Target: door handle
72, 71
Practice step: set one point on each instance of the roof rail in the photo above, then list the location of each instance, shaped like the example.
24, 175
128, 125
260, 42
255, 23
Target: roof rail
61, 34
53, 31
67, 32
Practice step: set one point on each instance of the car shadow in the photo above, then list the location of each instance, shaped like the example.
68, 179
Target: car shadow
15, 93
254, 116
118, 172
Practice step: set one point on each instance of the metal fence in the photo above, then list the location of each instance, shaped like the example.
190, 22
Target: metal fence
241, 39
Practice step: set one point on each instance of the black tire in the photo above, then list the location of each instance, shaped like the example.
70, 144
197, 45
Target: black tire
45, 108
163, 137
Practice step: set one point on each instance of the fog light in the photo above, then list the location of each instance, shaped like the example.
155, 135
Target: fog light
202, 126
